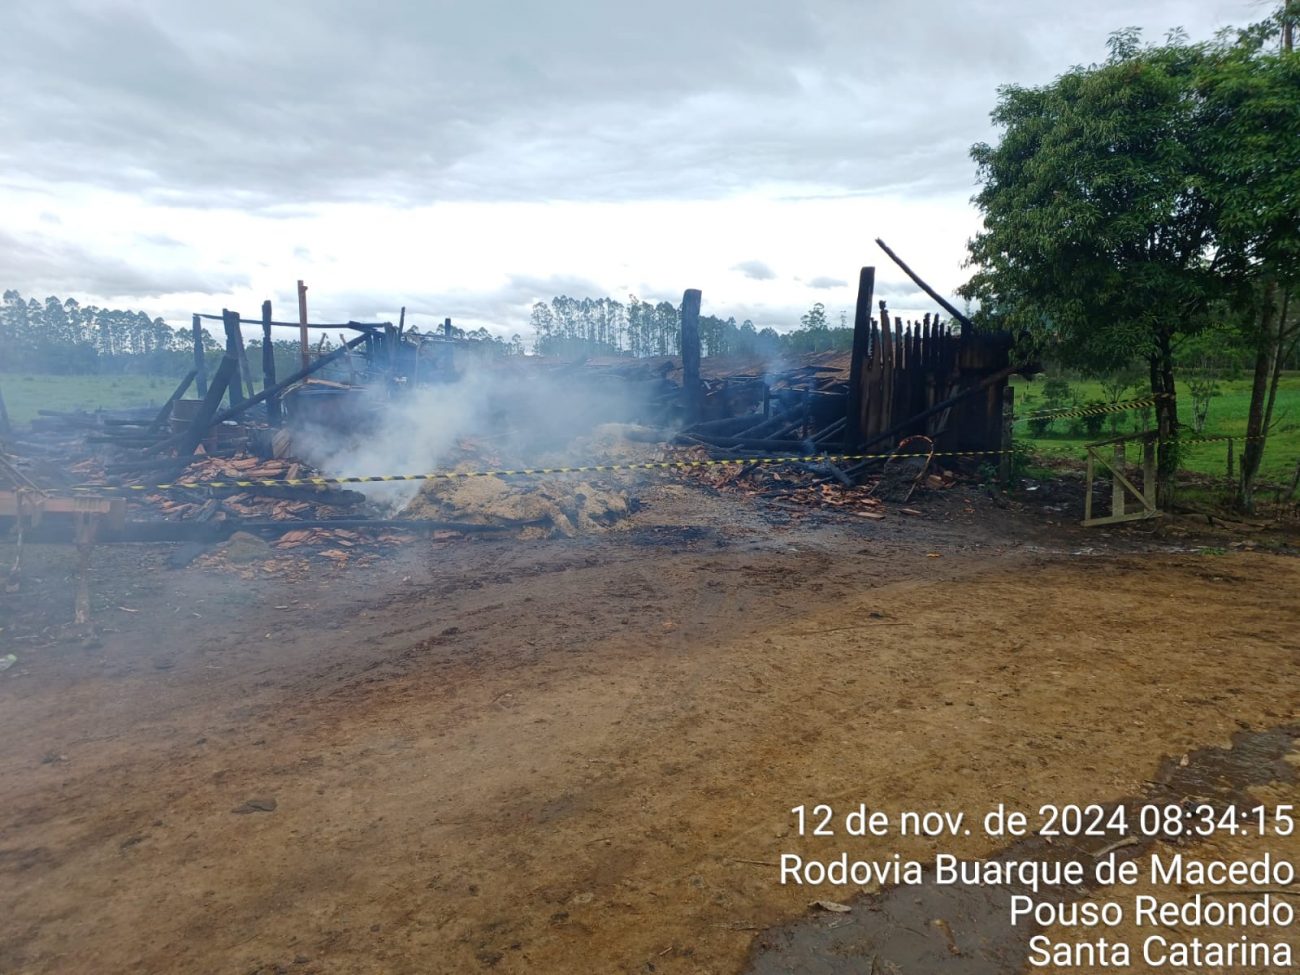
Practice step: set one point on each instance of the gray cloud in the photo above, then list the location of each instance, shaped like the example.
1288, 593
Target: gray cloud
41, 264
277, 105
756, 270
826, 283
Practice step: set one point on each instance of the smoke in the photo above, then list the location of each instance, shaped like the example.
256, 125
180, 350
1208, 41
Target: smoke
513, 413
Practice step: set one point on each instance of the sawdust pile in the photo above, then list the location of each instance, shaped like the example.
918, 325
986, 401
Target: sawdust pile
560, 505
540, 506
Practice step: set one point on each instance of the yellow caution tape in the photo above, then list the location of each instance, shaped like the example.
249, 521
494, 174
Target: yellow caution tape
527, 472
1097, 410
587, 469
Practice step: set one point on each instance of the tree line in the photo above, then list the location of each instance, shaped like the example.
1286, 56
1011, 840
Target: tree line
575, 327
64, 337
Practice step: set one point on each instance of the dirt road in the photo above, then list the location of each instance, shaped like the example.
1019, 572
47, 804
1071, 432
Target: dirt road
581, 755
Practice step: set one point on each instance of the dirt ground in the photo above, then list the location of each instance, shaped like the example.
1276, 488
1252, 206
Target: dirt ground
580, 754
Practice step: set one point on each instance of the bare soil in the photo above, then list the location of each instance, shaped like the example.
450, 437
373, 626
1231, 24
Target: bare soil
580, 754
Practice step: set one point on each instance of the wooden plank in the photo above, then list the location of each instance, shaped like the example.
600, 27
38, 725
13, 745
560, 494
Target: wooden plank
1087, 482
1118, 482
966, 325
52, 504
887, 369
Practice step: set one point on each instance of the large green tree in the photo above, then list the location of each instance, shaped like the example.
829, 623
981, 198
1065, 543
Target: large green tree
1125, 200
1252, 99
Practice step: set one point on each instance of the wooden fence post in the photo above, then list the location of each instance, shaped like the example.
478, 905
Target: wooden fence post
1117, 505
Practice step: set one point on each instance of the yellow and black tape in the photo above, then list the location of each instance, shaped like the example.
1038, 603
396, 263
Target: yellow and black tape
586, 469
1099, 409
528, 471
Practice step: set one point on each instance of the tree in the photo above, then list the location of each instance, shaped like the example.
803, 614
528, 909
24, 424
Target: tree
814, 319
1252, 101
1108, 217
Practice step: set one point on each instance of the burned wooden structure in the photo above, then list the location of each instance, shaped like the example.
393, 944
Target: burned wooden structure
924, 378
906, 379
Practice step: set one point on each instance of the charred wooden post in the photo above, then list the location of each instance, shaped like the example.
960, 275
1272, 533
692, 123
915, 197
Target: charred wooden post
200, 371
861, 349
966, 325
268, 366
198, 428
302, 323
208, 419
692, 398
230, 320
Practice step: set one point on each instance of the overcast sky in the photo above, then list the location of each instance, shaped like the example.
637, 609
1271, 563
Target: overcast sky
466, 158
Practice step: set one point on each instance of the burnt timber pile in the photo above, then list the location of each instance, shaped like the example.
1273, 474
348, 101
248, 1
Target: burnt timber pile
934, 379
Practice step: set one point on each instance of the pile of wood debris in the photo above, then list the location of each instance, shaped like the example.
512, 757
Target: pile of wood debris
272, 503
809, 485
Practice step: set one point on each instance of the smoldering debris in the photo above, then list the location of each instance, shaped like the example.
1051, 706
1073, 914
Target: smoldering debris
542, 505
538, 507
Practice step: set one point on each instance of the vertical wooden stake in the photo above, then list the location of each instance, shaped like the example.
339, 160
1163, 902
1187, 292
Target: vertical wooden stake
1117, 505
1149, 472
1087, 492
85, 539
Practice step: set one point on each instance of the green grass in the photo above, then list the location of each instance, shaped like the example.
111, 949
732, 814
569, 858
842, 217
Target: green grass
1227, 416
25, 394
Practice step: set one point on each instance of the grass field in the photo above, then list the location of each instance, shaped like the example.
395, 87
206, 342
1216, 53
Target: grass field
25, 394
1227, 416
